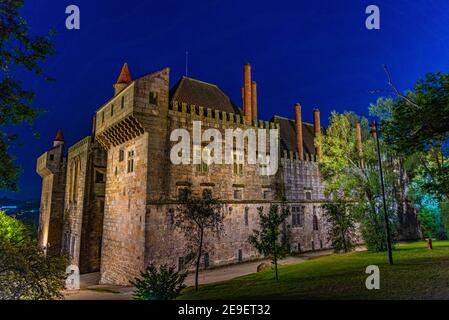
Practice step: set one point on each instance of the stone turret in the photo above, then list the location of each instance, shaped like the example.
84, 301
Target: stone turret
51, 166
123, 80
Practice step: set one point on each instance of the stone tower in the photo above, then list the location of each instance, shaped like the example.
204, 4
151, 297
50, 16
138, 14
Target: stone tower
51, 166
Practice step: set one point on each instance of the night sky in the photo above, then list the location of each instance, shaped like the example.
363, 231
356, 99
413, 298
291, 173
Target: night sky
318, 53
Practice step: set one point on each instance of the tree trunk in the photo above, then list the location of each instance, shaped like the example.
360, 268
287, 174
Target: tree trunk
275, 261
198, 260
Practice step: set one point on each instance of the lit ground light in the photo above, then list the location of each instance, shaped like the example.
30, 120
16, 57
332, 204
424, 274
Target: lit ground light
418, 273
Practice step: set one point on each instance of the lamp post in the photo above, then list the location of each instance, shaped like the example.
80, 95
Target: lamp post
375, 133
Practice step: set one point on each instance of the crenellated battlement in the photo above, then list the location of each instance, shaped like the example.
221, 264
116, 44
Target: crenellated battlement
294, 156
218, 116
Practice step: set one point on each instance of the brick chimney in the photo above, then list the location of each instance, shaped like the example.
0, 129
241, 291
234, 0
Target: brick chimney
254, 100
298, 124
243, 100
247, 92
317, 129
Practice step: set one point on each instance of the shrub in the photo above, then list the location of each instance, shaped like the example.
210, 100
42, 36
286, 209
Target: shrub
164, 283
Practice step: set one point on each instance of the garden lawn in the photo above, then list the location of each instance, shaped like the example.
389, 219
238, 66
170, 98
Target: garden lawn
418, 273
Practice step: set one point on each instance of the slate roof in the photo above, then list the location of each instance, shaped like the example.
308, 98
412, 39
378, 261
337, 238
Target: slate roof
288, 135
203, 94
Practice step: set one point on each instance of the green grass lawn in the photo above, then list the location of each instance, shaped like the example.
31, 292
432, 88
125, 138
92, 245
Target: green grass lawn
418, 273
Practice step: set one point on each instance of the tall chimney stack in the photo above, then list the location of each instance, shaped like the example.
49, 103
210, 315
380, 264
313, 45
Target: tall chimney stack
253, 100
243, 100
317, 129
298, 123
247, 92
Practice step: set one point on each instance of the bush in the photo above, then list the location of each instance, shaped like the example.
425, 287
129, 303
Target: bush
26, 273
164, 283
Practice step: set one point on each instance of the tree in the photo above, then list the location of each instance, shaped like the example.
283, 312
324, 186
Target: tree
350, 172
417, 124
18, 50
197, 217
163, 283
272, 238
341, 225
25, 271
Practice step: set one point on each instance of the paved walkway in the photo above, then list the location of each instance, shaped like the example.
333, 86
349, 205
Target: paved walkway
91, 290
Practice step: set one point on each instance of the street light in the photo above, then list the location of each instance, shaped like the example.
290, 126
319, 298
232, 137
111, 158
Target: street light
375, 133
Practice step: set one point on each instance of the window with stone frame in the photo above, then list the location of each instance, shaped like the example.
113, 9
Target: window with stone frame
181, 192
315, 223
246, 216
99, 177
130, 167
263, 163
266, 194
308, 194
207, 192
297, 216
122, 102
202, 166
238, 162
121, 155
238, 194
152, 97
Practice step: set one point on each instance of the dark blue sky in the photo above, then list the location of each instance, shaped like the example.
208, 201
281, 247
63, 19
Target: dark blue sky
318, 53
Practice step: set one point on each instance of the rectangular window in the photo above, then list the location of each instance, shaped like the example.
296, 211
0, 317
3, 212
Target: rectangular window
238, 194
266, 194
123, 102
246, 216
180, 263
240, 257
238, 162
153, 98
308, 194
206, 260
112, 110
121, 155
130, 161
99, 177
181, 193
102, 117
297, 216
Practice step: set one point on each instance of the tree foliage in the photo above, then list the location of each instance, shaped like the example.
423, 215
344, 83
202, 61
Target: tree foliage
18, 50
198, 217
352, 175
417, 124
26, 273
272, 240
163, 283
341, 225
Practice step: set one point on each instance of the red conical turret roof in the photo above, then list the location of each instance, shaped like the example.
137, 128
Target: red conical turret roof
59, 135
125, 76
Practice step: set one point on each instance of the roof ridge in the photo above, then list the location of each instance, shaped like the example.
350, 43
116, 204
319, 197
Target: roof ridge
200, 81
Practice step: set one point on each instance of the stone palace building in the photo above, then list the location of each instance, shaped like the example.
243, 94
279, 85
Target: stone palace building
109, 202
